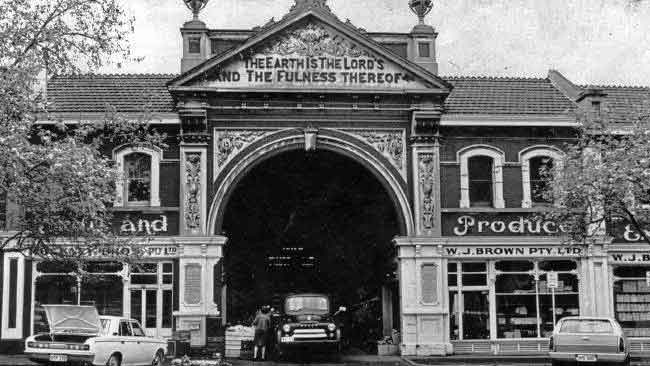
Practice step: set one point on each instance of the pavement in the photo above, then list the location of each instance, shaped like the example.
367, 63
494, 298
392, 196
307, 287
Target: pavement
371, 360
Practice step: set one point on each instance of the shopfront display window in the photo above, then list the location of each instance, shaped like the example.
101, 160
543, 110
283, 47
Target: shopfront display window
632, 300
151, 296
469, 300
525, 306
60, 283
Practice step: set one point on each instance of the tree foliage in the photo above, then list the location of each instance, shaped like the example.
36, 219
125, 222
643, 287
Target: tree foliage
604, 179
56, 174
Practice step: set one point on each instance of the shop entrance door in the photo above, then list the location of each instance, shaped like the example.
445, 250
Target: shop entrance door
151, 297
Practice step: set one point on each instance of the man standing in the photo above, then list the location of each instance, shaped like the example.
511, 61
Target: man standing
262, 324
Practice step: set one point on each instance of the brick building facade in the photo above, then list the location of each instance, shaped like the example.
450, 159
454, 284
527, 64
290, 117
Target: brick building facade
458, 157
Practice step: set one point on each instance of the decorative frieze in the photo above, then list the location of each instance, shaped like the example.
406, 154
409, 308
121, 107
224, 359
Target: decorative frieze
192, 205
229, 142
390, 143
313, 41
426, 173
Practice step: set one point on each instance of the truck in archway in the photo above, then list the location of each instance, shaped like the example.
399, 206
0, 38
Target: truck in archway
308, 322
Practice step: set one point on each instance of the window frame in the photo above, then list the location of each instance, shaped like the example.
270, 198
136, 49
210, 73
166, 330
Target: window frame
498, 160
524, 157
121, 194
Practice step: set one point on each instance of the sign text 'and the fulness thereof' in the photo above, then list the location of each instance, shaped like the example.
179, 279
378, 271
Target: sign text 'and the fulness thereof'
346, 70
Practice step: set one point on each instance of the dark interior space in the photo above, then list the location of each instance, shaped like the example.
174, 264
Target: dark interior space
312, 222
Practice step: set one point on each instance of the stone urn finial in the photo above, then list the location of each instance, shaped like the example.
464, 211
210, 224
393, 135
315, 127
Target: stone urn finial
421, 8
195, 6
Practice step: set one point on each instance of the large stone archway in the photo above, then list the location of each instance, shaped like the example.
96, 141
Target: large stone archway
329, 139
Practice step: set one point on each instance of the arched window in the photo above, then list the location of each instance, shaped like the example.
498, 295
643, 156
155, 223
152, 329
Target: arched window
139, 169
481, 177
480, 181
535, 161
539, 183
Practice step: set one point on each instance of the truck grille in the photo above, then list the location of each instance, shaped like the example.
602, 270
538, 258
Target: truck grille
312, 333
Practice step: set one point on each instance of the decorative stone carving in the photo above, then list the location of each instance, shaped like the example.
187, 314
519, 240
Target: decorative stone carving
193, 191
389, 143
321, 4
311, 41
230, 142
426, 175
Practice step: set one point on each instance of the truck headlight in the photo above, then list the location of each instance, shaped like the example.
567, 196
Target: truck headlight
286, 328
331, 327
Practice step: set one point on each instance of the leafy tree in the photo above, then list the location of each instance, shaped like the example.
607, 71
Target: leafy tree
56, 175
604, 180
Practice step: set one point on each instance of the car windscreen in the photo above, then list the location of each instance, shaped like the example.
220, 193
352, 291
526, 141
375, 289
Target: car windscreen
587, 326
299, 304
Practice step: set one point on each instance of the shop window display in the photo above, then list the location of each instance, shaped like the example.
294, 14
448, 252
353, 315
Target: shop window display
55, 284
524, 307
632, 300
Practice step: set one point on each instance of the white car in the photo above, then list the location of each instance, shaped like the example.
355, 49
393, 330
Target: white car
589, 340
79, 335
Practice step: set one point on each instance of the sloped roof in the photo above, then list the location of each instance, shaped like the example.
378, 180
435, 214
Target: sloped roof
125, 92
490, 95
470, 95
624, 104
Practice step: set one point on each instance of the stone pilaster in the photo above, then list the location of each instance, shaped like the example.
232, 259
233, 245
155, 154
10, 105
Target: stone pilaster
193, 189
426, 186
424, 303
198, 259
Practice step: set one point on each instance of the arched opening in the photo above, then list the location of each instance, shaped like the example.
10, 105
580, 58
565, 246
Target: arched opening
313, 222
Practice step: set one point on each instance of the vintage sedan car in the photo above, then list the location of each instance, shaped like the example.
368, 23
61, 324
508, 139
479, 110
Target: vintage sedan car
79, 335
307, 322
588, 340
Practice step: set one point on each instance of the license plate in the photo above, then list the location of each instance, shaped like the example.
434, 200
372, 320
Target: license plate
58, 358
586, 358
286, 339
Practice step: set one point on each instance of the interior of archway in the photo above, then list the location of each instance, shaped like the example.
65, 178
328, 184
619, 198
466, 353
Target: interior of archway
313, 222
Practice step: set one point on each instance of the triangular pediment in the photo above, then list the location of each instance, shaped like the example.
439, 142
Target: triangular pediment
310, 51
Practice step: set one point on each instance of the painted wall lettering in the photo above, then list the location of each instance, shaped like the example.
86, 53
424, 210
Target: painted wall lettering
630, 257
143, 226
468, 224
501, 251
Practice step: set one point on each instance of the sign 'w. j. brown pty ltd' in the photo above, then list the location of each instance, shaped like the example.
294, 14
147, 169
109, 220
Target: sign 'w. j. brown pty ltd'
310, 55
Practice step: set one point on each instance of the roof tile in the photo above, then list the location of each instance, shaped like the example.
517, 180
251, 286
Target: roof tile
126, 92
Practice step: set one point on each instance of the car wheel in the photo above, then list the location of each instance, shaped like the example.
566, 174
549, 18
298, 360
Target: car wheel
158, 359
114, 360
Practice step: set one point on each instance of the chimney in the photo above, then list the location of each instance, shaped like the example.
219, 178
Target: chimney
422, 42
196, 43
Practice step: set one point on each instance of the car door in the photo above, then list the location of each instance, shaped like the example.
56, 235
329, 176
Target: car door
127, 344
144, 344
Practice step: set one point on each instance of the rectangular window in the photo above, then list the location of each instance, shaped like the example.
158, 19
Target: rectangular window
136, 305
151, 307
167, 309
424, 49
144, 273
168, 273
632, 300
194, 44
13, 292
469, 301
480, 172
